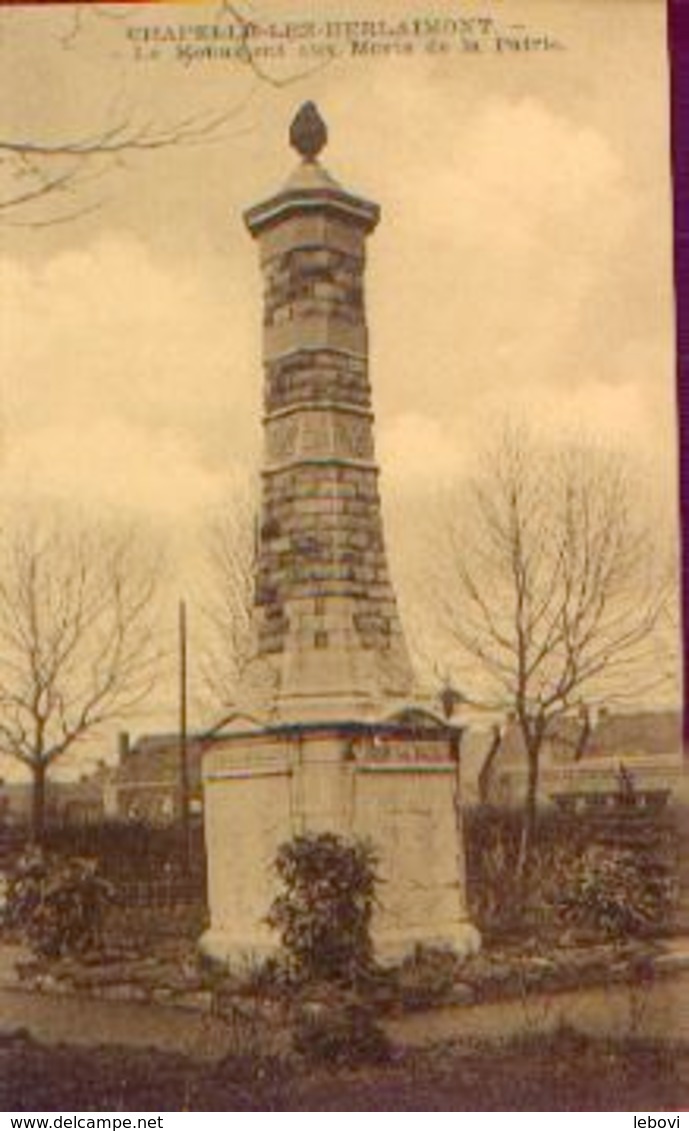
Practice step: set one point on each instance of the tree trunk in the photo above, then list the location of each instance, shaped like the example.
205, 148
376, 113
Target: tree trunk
38, 803
584, 737
529, 820
485, 773
459, 812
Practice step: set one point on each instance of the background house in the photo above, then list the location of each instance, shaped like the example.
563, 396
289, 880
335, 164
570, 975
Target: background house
146, 783
583, 755
67, 802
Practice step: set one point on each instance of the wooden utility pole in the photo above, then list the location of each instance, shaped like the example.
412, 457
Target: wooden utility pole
184, 799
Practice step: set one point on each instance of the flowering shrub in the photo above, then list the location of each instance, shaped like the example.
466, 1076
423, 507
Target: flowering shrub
58, 904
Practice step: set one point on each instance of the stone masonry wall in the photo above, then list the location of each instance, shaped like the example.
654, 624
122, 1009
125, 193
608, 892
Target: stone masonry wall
321, 567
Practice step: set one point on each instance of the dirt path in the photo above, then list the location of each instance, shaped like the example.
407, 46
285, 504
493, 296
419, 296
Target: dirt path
659, 1010
59, 1019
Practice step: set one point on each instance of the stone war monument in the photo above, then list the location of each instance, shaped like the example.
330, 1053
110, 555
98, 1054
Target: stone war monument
338, 738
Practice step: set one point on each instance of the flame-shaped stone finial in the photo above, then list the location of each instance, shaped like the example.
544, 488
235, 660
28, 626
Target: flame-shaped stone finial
308, 133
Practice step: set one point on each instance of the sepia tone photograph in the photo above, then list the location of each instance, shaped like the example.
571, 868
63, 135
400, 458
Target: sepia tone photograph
341, 758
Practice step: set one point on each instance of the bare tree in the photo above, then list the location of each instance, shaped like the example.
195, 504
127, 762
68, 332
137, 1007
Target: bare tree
551, 589
77, 641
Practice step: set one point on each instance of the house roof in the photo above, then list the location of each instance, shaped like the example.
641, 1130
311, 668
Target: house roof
641, 732
156, 758
613, 735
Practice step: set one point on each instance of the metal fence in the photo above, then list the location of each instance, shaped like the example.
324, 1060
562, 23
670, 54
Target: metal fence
164, 893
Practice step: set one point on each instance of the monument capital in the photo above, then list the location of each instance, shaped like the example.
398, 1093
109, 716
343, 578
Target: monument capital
310, 189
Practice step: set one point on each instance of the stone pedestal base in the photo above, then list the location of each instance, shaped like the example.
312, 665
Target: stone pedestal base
237, 953
243, 952
393, 785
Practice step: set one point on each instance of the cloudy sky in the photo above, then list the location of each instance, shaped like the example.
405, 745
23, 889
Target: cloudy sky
522, 266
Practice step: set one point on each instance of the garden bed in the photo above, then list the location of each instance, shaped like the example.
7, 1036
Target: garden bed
172, 974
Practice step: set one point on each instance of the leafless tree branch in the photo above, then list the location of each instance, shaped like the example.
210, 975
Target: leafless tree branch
34, 169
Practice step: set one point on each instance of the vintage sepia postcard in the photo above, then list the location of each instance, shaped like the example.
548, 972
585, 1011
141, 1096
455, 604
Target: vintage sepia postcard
341, 760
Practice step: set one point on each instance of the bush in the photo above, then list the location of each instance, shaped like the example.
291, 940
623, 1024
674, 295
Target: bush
608, 873
343, 1036
498, 904
324, 913
616, 892
57, 904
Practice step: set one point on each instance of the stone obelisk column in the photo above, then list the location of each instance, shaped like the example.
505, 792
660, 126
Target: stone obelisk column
342, 746
325, 612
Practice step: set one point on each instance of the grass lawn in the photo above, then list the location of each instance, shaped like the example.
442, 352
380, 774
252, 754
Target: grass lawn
563, 1072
